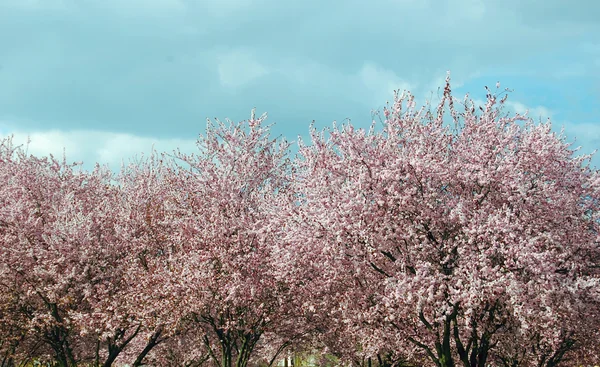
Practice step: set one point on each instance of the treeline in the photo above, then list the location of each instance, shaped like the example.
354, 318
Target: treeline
447, 236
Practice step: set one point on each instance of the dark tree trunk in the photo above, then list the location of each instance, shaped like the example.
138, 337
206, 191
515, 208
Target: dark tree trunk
154, 341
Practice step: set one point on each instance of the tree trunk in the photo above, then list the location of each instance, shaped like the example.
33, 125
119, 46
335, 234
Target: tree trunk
154, 341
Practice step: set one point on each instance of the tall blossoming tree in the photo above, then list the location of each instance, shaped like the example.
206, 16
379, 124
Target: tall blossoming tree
66, 262
454, 236
53, 220
222, 243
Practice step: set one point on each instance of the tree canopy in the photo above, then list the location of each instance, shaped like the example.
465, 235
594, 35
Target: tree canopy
447, 236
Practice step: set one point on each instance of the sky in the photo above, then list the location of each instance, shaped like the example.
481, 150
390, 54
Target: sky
105, 80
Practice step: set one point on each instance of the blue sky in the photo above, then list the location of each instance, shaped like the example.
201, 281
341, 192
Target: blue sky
106, 79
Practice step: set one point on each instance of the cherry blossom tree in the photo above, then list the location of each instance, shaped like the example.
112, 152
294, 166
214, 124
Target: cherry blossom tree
224, 248
65, 263
462, 234
41, 218
150, 231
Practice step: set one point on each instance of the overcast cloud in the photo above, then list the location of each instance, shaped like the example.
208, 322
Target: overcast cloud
106, 79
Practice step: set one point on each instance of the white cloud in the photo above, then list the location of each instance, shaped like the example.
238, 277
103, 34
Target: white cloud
381, 82
584, 134
535, 113
95, 146
239, 67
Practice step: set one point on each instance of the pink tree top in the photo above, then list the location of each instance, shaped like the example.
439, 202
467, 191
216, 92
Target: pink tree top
467, 232
220, 244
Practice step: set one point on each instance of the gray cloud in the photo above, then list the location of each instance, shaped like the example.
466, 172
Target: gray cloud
160, 67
